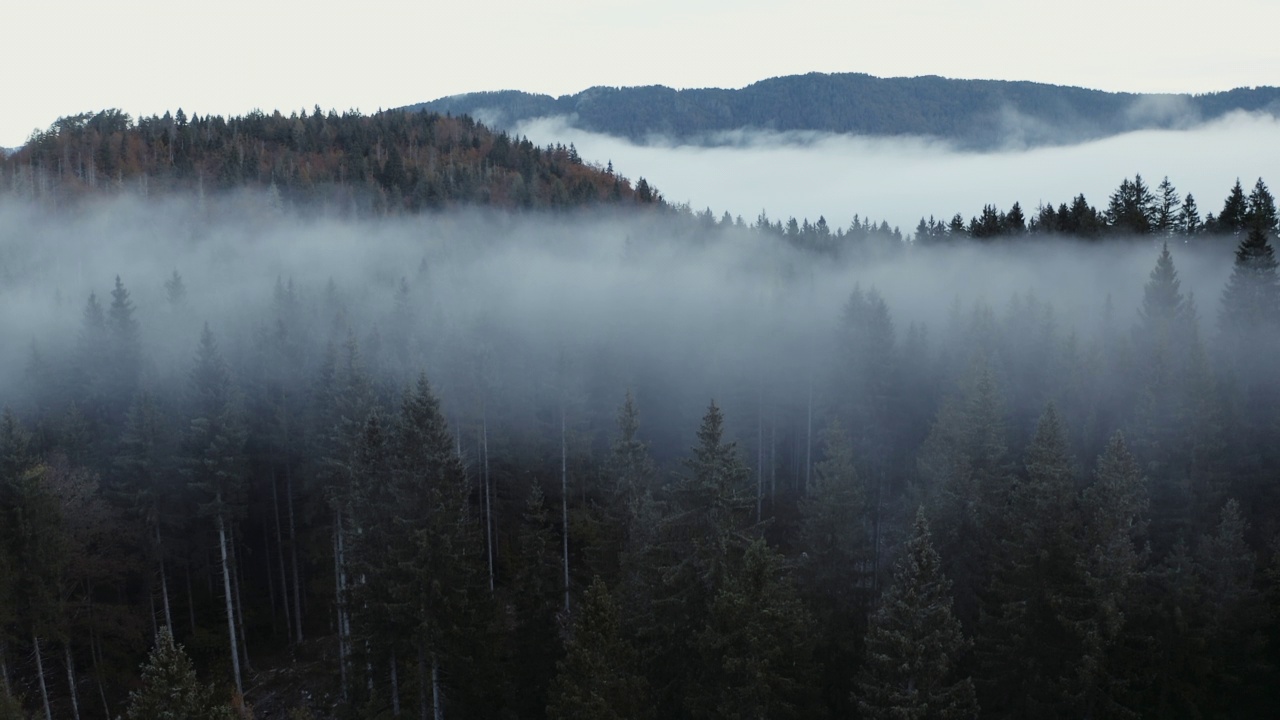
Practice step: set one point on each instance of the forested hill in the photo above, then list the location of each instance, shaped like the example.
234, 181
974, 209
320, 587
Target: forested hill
393, 160
972, 113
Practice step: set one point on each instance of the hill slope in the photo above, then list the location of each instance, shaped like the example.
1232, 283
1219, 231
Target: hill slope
388, 161
972, 113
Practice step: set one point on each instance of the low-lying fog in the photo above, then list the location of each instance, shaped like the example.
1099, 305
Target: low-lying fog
901, 180
502, 301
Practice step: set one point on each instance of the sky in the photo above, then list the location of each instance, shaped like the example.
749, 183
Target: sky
146, 56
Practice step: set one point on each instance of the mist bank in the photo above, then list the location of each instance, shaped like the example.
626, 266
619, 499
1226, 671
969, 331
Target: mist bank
504, 299
901, 180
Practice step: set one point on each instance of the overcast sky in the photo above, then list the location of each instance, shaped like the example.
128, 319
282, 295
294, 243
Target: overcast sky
145, 56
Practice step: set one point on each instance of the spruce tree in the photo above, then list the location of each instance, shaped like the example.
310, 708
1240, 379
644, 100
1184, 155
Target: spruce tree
756, 649
914, 643
1027, 649
170, 690
835, 571
597, 679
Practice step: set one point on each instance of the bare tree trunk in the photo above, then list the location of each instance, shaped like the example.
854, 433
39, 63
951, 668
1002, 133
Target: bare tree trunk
284, 578
226, 593
271, 587
71, 681
191, 600
95, 654
564, 500
808, 441
438, 711
293, 551
4, 670
339, 600
395, 686
488, 500
164, 581
235, 583
151, 604
44, 689
759, 454
422, 682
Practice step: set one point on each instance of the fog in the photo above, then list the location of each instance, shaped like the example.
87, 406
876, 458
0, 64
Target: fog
532, 309
901, 180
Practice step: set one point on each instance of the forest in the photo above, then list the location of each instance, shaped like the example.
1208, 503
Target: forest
263, 459
971, 114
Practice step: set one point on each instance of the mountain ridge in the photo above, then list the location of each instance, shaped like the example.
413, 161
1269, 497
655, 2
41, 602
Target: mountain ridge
973, 114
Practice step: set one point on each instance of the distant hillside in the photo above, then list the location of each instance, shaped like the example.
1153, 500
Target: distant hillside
386, 162
972, 113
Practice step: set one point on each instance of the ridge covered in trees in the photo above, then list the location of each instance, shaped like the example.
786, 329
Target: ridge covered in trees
385, 162
978, 114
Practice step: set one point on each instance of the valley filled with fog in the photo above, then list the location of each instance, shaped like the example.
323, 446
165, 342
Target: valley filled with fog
808, 175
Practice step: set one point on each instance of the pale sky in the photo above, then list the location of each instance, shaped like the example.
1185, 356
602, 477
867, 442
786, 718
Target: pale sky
60, 57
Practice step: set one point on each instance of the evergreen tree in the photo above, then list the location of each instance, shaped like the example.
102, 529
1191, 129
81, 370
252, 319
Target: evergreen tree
914, 642
756, 648
170, 690
1114, 563
1251, 300
1167, 207
1029, 652
597, 679
836, 567
1260, 210
1235, 213
536, 602
1189, 222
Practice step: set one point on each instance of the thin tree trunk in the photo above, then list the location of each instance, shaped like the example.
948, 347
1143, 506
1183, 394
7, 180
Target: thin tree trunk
488, 500
235, 583
151, 604
422, 682
808, 441
564, 501
271, 587
395, 686
226, 593
95, 654
436, 699
337, 594
284, 578
164, 581
191, 600
293, 551
773, 459
44, 689
759, 455
4, 670
71, 681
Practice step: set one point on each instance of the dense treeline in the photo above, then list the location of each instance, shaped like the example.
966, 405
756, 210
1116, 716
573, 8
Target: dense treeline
365, 164
392, 498
981, 114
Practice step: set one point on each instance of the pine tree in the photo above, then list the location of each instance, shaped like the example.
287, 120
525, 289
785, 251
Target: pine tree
1114, 563
914, 643
835, 572
756, 648
1261, 209
1189, 222
1029, 654
536, 603
597, 679
1167, 207
1251, 300
170, 690
1234, 216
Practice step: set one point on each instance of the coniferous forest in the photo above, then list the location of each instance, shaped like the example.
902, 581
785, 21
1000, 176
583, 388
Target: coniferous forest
362, 417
